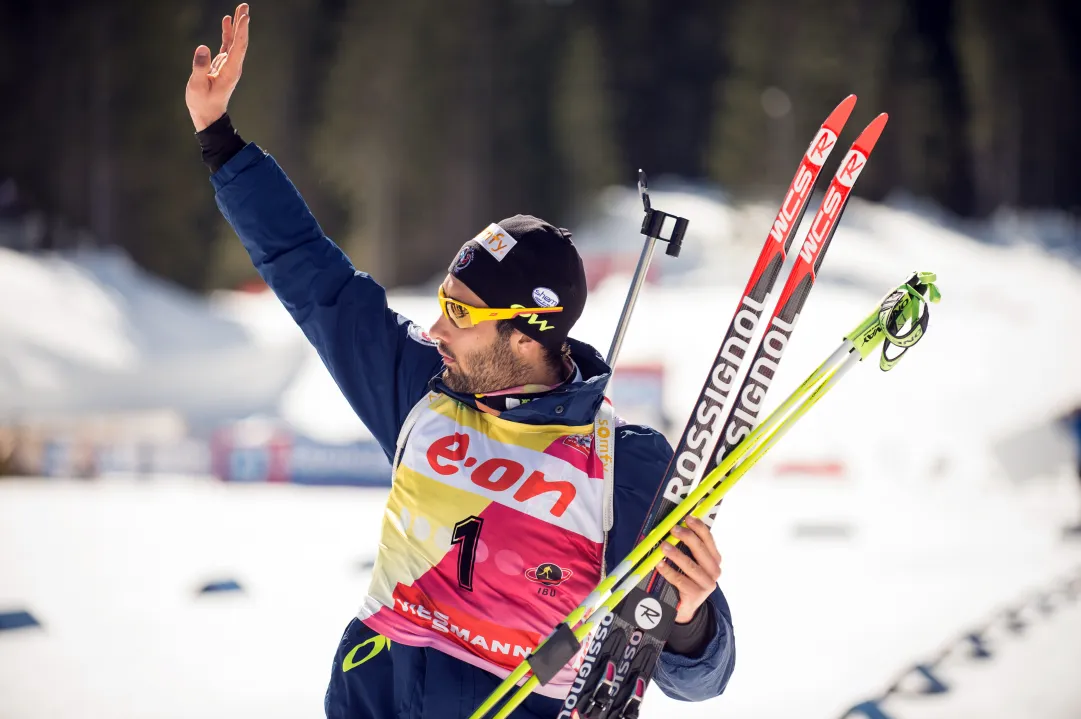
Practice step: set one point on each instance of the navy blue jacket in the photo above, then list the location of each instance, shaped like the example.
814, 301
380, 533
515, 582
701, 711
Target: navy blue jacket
383, 368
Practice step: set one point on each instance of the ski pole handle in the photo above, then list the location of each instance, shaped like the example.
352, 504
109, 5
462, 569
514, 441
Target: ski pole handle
652, 225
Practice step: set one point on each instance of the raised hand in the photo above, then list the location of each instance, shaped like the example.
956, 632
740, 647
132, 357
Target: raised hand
212, 81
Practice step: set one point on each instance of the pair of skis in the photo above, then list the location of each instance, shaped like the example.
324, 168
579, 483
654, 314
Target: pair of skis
725, 412
719, 442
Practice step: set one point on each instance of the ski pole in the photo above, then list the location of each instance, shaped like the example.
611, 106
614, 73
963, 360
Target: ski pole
640, 550
652, 225
900, 308
634, 572
880, 327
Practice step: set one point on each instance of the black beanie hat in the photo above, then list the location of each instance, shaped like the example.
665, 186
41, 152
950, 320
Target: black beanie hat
523, 260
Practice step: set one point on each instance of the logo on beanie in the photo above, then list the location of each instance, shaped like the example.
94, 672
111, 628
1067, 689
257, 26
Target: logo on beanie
533, 319
544, 297
496, 240
465, 256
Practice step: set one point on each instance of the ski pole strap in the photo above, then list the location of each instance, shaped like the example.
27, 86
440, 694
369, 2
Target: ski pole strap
901, 309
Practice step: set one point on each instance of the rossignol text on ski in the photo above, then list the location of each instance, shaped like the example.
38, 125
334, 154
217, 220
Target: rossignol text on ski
615, 692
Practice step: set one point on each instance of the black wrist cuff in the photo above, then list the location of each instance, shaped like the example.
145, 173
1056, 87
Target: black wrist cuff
690, 639
219, 143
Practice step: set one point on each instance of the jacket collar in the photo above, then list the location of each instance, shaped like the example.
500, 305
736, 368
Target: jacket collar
572, 403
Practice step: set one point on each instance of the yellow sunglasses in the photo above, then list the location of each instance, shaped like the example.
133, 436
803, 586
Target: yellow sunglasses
465, 316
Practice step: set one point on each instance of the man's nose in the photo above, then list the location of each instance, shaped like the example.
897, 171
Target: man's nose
440, 330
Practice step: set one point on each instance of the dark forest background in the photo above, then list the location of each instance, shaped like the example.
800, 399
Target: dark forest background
423, 121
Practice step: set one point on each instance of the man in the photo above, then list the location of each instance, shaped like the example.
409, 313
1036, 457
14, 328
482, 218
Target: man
514, 488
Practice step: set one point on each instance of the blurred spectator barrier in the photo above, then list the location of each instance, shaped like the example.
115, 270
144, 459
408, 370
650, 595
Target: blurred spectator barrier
249, 451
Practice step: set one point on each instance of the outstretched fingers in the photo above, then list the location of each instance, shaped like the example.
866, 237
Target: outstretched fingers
240, 35
232, 60
226, 34
241, 10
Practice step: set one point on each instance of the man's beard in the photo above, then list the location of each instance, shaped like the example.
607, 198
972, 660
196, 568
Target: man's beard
490, 370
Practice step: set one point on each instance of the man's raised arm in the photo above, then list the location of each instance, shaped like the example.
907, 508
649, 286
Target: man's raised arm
380, 366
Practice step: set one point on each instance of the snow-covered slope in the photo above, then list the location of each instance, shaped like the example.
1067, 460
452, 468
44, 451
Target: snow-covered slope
91, 333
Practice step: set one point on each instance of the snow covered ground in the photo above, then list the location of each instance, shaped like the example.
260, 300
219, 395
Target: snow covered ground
112, 569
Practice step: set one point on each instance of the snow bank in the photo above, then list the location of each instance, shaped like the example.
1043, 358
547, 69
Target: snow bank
90, 333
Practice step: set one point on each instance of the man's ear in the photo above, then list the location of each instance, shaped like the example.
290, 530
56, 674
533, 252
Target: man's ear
526, 347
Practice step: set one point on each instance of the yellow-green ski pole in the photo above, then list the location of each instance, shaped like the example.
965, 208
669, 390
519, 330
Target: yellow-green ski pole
895, 312
639, 572
640, 551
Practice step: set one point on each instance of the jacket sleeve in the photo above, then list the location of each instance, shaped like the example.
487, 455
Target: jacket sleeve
642, 455
380, 361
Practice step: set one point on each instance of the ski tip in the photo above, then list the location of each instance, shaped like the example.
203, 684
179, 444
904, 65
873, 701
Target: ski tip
867, 139
840, 114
